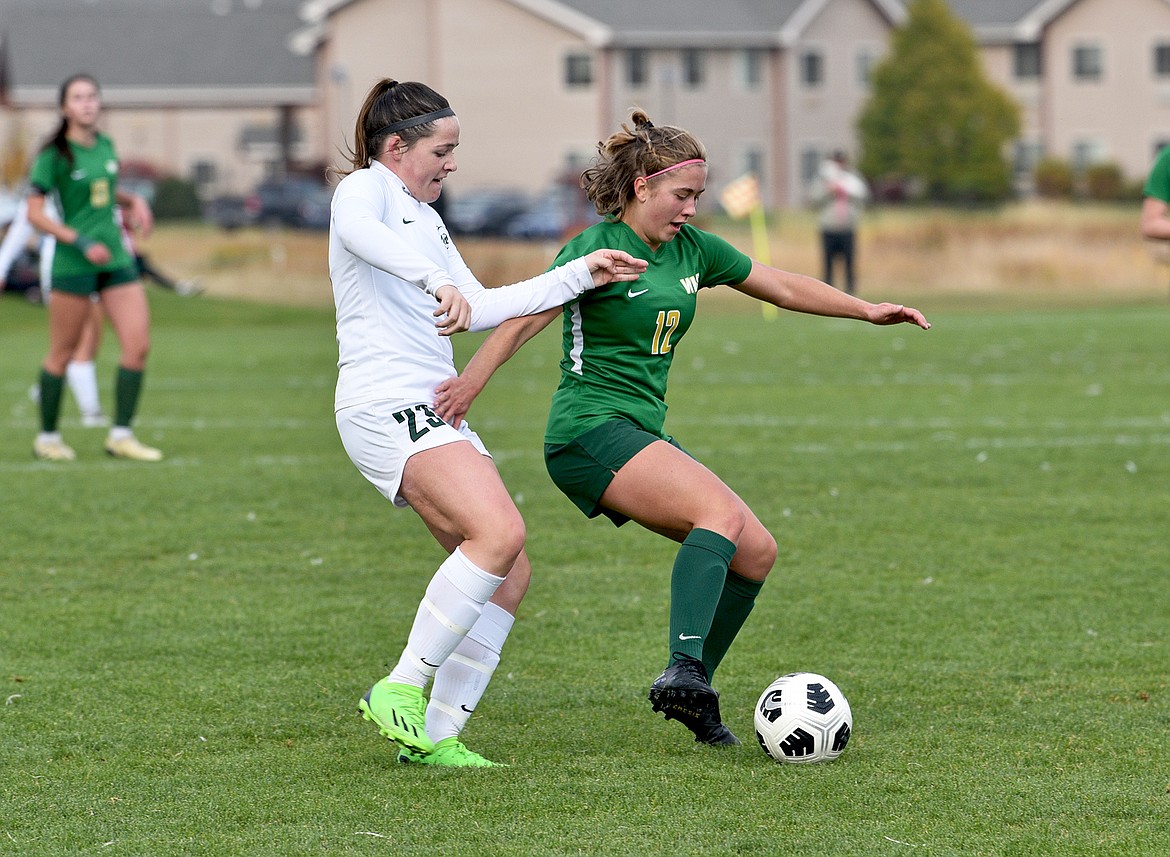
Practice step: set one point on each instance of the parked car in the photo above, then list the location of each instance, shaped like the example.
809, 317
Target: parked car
554, 216
229, 211
483, 212
297, 202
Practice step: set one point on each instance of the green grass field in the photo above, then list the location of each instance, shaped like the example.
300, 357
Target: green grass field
973, 530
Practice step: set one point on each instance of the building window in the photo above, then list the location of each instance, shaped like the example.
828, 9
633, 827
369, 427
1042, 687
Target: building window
693, 70
1027, 155
1086, 153
751, 160
203, 173
1162, 60
810, 165
812, 68
637, 67
1088, 63
1028, 61
578, 70
751, 68
866, 60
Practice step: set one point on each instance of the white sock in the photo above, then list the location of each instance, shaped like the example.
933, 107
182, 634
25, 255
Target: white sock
82, 379
464, 676
452, 605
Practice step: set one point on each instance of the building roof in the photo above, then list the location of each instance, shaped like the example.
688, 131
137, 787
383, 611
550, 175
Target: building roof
146, 52
653, 23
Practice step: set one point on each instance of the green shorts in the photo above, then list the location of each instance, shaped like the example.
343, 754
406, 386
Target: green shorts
88, 284
584, 467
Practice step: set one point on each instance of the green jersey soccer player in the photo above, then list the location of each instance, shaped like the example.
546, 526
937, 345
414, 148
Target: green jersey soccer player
605, 447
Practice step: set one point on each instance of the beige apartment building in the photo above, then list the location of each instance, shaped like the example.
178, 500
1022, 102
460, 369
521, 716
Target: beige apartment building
228, 91
769, 87
202, 89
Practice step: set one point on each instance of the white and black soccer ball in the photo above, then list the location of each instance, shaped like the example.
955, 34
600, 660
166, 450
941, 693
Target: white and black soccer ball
803, 717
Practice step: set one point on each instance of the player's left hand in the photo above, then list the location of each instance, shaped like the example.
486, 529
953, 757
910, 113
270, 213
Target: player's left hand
897, 314
453, 399
139, 217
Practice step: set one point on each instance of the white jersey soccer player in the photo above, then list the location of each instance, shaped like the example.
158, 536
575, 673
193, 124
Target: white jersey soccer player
388, 347
401, 289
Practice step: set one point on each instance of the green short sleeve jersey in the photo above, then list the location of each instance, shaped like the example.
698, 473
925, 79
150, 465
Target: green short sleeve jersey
1158, 182
85, 192
620, 339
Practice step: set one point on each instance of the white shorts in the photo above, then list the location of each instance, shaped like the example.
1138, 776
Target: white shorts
379, 437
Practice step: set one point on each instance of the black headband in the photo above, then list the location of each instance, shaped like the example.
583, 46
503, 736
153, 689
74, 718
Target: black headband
415, 120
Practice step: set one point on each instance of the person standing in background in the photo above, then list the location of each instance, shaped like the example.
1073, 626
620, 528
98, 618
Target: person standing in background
1155, 222
841, 195
79, 167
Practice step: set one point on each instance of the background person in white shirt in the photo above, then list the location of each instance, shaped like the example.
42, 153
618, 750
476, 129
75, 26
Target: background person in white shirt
841, 195
401, 289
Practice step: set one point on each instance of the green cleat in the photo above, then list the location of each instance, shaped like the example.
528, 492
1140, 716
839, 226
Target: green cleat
400, 713
448, 753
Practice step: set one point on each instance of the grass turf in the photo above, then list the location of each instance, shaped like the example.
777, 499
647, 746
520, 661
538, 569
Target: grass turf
972, 527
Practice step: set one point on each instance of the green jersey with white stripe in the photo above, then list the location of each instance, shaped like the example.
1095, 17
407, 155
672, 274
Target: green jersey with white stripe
85, 193
620, 339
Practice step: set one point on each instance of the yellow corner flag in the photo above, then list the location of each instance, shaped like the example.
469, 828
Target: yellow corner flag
741, 198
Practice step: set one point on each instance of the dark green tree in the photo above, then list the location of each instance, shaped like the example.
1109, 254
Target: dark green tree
933, 118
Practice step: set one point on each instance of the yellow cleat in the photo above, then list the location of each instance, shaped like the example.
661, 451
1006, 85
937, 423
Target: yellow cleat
130, 448
53, 449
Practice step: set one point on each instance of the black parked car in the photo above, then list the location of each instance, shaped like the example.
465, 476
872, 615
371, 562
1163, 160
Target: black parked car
302, 203
297, 202
482, 212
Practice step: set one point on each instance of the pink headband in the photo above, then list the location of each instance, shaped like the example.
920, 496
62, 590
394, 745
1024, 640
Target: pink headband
676, 166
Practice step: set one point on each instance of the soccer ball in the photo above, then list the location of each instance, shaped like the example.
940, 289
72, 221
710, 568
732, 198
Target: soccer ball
803, 717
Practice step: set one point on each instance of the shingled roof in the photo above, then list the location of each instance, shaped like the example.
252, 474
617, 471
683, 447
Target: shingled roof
144, 52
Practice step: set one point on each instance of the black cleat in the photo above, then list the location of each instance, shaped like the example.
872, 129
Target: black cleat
682, 693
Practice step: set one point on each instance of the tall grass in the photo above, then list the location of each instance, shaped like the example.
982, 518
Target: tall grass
1031, 253
972, 527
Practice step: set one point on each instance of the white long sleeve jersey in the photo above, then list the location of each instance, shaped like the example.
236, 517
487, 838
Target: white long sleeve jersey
388, 254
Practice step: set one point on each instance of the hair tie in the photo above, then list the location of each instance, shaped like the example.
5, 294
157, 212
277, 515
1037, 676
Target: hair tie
413, 121
676, 166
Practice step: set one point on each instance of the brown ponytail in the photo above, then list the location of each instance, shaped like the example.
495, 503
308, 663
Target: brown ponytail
389, 102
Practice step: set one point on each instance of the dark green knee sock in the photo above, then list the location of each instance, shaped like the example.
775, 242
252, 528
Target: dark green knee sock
700, 570
736, 602
51, 389
127, 388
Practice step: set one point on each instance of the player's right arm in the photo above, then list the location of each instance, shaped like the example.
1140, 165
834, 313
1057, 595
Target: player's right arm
1155, 219
95, 252
454, 396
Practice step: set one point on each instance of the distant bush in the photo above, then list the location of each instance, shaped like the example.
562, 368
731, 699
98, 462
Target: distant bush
1104, 182
1054, 179
175, 199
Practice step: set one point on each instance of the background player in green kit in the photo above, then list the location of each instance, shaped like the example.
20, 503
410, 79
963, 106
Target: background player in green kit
80, 167
605, 447
1156, 199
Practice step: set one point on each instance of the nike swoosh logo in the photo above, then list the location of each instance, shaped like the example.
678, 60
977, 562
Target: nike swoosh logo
690, 636
404, 220
429, 664
468, 710
632, 294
